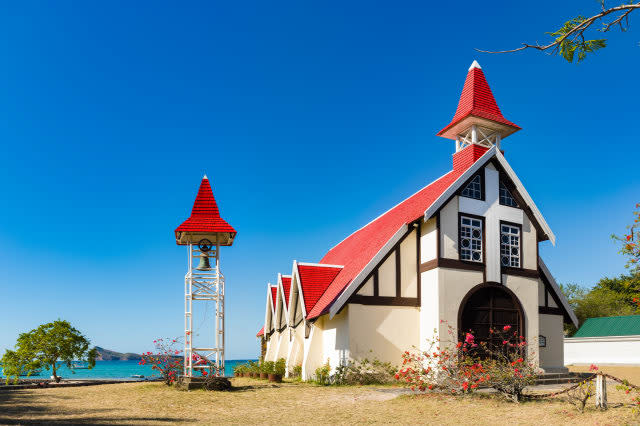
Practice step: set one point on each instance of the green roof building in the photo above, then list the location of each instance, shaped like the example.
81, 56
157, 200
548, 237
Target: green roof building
628, 325
605, 341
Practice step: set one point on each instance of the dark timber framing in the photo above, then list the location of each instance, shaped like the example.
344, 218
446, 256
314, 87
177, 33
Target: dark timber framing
399, 299
482, 188
551, 310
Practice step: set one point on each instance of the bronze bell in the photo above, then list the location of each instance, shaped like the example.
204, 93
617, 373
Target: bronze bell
204, 264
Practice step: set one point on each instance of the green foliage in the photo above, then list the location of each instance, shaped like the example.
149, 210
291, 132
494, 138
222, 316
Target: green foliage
571, 45
280, 366
253, 367
609, 297
297, 371
269, 367
323, 375
44, 347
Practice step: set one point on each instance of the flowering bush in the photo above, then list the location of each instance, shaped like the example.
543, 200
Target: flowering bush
364, 372
580, 394
445, 368
169, 361
510, 372
464, 367
631, 243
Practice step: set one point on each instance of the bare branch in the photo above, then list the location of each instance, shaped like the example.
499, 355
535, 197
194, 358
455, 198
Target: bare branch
578, 30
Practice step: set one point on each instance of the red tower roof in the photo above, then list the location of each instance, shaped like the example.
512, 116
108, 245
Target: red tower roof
477, 101
205, 217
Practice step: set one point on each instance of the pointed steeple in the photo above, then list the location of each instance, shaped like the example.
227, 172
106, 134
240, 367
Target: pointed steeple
205, 220
477, 106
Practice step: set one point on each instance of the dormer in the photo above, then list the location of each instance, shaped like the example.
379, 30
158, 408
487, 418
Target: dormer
478, 120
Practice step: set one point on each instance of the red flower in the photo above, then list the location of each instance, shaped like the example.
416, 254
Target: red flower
506, 328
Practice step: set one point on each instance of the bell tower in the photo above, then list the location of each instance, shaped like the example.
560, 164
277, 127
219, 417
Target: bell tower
478, 119
203, 234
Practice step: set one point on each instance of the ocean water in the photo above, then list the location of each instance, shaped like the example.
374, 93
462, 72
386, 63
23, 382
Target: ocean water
118, 370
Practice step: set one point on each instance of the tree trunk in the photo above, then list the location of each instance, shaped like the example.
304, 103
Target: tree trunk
55, 376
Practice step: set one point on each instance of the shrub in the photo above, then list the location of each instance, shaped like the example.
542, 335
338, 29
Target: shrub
280, 367
323, 374
297, 371
253, 367
364, 372
269, 367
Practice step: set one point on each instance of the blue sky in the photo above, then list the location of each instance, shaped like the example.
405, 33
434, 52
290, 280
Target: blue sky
310, 119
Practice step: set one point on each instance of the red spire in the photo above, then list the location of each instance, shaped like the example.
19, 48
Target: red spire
205, 216
477, 100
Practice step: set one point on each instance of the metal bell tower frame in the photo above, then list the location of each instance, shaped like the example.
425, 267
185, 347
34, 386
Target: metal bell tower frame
204, 233
206, 284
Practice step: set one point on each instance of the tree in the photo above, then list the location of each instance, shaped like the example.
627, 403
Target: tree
44, 347
569, 40
609, 297
631, 244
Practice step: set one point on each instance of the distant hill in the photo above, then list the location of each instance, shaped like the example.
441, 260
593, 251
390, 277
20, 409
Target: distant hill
107, 355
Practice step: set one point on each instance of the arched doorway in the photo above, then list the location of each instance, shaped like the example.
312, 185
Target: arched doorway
490, 306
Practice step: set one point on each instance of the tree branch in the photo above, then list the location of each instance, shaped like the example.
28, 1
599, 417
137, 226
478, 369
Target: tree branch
578, 30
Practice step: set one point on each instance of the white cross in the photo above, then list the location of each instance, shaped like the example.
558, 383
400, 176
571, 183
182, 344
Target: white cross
493, 212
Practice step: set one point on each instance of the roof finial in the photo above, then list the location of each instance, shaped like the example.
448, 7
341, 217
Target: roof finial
475, 64
205, 177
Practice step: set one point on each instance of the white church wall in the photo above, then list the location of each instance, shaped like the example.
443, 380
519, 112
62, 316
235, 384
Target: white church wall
283, 345
429, 307
383, 332
367, 288
272, 346
552, 355
408, 266
624, 350
387, 277
335, 338
295, 349
453, 286
312, 357
428, 243
526, 290
449, 229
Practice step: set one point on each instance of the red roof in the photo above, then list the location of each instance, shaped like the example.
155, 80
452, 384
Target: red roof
274, 292
314, 280
261, 332
477, 100
205, 216
286, 286
357, 250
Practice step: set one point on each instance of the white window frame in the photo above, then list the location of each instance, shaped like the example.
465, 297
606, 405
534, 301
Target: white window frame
471, 239
510, 239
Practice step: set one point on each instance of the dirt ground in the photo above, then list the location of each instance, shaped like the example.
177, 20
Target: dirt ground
256, 401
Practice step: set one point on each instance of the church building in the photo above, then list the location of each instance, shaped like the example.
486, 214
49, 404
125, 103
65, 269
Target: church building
461, 252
